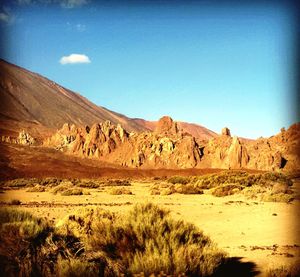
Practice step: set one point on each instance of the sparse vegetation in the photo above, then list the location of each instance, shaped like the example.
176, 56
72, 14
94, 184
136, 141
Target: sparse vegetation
179, 180
227, 189
73, 191
15, 202
36, 188
263, 186
112, 183
120, 190
164, 188
93, 242
283, 271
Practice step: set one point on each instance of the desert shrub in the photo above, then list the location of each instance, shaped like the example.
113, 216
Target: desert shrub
30, 182
239, 177
146, 240
15, 202
62, 187
95, 242
179, 180
90, 184
284, 271
117, 183
226, 190
36, 188
166, 191
119, 191
154, 191
20, 183
164, 188
270, 193
72, 191
187, 189
29, 245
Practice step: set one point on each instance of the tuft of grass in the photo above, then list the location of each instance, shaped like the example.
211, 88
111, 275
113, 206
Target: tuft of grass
120, 190
74, 267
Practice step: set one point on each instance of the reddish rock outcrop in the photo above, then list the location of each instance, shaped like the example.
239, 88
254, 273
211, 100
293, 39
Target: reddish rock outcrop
169, 148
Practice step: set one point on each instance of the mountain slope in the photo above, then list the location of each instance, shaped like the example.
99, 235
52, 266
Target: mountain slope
33, 102
26, 96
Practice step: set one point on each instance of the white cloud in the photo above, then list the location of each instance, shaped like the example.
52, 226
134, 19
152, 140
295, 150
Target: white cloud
6, 16
69, 4
74, 58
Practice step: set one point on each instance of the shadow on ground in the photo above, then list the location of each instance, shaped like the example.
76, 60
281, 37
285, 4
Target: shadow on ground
236, 267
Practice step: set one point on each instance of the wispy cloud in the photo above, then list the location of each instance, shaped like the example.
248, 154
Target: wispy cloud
69, 4
74, 58
6, 16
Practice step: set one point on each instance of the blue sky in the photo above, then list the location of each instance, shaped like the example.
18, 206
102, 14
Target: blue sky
212, 64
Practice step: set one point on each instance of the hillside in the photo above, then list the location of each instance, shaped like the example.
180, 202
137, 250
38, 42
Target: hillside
32, 102
29, 97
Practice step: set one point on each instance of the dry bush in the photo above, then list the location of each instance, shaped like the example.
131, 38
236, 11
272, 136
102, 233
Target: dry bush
164, 188
95, 242
72, 191
146, 241
112, 183
30, 246
269, 186
225, 190
187, 189
15, 202
119, 191
268, 194
63, 186
91, 184
239, 177
36, 188
30, 182
179, 180
283, 271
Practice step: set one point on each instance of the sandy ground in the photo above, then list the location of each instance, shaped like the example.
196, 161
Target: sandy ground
261, 232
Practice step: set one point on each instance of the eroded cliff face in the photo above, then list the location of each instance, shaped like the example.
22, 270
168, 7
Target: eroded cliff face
169, 147
165, 147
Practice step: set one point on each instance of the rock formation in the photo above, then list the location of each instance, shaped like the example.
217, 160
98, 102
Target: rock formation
23, 139
226, 132
167, 147
166, 126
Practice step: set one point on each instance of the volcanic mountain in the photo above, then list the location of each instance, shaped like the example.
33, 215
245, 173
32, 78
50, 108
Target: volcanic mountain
33, 102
